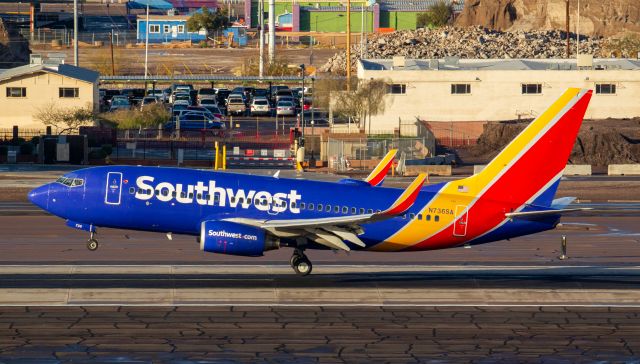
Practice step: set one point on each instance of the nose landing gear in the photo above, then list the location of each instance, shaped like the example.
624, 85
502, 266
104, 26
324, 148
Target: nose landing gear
300, 263
92, 243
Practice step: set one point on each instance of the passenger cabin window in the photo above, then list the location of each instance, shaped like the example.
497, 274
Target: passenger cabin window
319, 207
606, 88
328, 208
531, 88
345, 210
132, 190
302, 205
311, 206
436, 218
361, 211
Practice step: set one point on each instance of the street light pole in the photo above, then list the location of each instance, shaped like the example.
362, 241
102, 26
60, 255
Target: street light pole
75, 33
348, 45
261, 38
302, 103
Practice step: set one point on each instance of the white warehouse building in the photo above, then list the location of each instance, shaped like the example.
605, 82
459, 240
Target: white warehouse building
480, 90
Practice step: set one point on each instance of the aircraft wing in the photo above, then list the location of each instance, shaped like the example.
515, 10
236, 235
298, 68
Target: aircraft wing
334, 231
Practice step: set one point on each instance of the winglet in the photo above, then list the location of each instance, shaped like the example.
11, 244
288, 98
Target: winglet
380, 172
407, 198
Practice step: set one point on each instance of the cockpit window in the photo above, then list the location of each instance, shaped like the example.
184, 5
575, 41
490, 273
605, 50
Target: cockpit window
70, 182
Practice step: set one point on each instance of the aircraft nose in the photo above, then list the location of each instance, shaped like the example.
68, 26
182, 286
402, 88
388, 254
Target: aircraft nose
40, 196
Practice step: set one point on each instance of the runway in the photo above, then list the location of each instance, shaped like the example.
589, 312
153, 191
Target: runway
144, 298
242, 285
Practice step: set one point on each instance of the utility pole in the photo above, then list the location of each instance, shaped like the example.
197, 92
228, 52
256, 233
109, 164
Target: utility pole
272, 31
348, 45
261, 38
146, 51
567, 31
75, 33
578, 33
113, 66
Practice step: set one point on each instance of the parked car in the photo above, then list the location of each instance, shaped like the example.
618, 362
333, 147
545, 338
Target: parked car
284, 93
205, 102
182, 99
119, 102
135, 95
215, 110
206, 94
221, 95
157, 93
260, 106
236, 105
195, 121
148, 100
285, 108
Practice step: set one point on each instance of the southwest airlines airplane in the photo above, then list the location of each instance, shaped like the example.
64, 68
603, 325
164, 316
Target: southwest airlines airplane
247, 215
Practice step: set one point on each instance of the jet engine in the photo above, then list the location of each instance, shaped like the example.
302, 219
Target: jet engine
235, 239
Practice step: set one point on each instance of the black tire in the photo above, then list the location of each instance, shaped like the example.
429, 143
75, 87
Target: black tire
92, 245
293, 259
302, 266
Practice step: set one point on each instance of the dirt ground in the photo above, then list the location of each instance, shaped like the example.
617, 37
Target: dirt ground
599, 143
185, 61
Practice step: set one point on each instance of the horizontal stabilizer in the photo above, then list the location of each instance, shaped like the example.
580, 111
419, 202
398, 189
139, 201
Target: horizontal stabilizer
512, 215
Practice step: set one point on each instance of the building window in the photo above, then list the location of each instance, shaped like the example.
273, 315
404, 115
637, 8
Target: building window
154, 28
531, 88
460, 88
16, 92
180, 28
397, 89
166, 28
606, 88
71, 92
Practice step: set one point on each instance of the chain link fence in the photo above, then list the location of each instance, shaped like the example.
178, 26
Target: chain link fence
363, 153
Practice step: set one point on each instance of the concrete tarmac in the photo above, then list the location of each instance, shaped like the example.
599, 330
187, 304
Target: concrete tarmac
302, 334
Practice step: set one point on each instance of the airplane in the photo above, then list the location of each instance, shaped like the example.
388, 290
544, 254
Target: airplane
247, 215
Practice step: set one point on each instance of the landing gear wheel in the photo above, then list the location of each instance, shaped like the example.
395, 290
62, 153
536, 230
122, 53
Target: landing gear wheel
92, 244
302, 265
294, 258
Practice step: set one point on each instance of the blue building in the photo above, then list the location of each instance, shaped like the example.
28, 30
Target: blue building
168, 28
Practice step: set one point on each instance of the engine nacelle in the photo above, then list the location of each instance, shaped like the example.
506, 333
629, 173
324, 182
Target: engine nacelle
235, 239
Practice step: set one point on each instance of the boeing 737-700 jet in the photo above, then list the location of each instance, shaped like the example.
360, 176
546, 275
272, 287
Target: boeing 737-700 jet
240, 214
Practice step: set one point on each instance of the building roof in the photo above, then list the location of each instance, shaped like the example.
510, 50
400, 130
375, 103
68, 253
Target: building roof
153, 4
418, 5
164, 17
453, 64
66, 70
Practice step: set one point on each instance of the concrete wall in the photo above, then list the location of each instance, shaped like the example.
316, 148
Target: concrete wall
497, 95
624, 169
42, 91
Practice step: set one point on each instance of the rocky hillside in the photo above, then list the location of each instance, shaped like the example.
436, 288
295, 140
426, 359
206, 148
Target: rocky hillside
14, 49
597, 17
469, 42
599, 143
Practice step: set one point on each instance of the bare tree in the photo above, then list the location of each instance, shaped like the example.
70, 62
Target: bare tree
368, 100
64, 119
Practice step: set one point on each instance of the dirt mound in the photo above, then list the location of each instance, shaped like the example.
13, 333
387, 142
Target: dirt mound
599, 143
597, 17
14, 49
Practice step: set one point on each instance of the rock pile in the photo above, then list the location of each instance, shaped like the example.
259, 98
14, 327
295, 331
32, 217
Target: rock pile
471, 42
14, 49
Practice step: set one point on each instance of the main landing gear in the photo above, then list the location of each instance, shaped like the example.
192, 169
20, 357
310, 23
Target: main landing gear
300, 263
92, 243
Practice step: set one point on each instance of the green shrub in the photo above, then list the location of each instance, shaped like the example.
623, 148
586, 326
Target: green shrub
438, 15
149, 117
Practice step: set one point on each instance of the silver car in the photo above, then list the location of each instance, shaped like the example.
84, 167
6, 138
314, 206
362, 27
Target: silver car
285, 108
